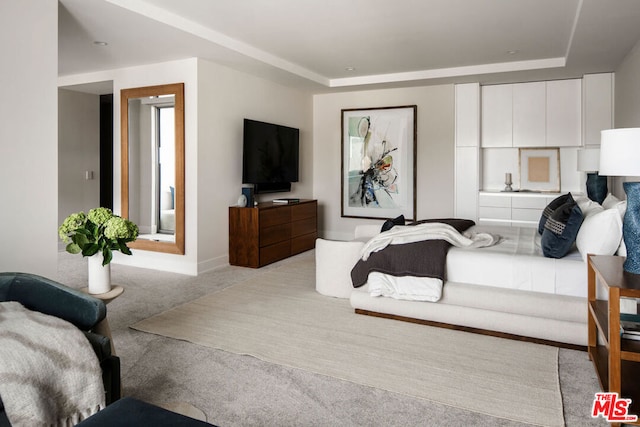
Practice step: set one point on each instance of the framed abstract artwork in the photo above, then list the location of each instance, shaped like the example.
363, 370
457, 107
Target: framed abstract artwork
378, 173
540, 169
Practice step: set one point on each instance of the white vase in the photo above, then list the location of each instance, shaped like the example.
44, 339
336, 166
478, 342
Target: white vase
99, 275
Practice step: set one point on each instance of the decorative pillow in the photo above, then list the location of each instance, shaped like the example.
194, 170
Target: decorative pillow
555, 204
561, 230
600, 233
390, 223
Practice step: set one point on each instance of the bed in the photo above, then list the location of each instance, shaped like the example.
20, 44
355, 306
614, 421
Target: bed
508, 289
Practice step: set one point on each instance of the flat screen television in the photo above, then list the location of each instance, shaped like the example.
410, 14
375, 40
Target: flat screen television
269, 156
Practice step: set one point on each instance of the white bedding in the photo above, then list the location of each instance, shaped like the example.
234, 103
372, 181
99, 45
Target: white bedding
516, 263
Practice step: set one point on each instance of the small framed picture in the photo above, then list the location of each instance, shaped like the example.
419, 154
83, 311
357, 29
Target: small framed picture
540, 169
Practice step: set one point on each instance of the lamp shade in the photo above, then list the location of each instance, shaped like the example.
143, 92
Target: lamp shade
589, 160
620, 152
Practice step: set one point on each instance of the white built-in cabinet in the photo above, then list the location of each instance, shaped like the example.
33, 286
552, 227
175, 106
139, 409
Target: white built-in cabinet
560, 113
535, 114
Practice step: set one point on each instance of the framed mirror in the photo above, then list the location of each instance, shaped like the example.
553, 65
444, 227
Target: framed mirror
152, 166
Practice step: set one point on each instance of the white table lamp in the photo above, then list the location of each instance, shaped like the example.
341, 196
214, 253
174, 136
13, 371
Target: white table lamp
589, 161
620, 156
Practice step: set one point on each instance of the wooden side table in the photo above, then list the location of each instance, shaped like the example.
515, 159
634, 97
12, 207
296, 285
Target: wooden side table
616, 360
103, 327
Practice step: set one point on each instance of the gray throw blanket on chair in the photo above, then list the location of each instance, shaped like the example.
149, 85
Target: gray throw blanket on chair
49, 374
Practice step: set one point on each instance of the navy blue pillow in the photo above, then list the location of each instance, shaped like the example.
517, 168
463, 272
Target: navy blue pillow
561, 230
390, 223
548, 210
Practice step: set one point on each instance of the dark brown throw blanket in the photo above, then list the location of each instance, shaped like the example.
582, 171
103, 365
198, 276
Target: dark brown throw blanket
421, 259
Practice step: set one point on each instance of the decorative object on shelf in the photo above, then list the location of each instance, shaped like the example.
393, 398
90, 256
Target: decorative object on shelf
539, 169
379, 162
620, 156
242, 201
589, 161
96, 235
507, 182
247, 192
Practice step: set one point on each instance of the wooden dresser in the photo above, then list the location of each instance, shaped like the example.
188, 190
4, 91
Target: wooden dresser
271, 231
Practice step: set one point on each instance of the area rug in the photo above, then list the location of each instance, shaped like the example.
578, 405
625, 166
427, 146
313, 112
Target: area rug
278, 317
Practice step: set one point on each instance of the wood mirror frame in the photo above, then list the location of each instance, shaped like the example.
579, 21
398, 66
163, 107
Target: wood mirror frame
177, 90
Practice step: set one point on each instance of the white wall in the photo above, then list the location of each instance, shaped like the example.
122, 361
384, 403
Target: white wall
435, 151
225, 98
28, 136
627, 102
78, 152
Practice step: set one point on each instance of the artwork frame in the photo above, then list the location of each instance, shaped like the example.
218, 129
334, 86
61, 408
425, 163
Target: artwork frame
539, 169
378, 165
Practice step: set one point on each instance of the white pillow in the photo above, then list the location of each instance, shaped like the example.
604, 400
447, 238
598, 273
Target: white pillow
600, 233
587, 206
611, 202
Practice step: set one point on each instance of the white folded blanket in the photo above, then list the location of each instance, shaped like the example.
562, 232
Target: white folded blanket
49, 374
427, 231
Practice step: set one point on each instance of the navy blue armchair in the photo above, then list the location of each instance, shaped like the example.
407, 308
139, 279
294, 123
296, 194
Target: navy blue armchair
84, 311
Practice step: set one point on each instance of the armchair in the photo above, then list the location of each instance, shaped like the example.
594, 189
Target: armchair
84, 311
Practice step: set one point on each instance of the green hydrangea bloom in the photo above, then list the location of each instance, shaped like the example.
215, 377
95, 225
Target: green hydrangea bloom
117, 228
100, 216
133, 230
71, 224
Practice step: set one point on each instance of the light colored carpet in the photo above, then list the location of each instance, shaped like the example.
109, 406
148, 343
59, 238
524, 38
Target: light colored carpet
278, 317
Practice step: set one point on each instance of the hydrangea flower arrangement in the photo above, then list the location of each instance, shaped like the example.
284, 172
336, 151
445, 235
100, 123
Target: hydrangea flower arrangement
98, 231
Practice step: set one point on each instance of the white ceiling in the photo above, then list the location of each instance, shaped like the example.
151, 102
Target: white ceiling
312, 43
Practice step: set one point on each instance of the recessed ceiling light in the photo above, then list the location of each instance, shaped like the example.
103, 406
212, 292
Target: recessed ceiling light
99, 43
350, 68
512, 52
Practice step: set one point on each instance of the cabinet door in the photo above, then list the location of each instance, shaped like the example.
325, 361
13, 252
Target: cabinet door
467, 115
564, 113
467, 183
529, 114
598, 106
497, 122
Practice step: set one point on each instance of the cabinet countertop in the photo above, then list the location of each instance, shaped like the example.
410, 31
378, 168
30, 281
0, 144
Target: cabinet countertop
525, 193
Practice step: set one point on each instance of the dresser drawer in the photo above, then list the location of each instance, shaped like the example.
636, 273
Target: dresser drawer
496, 213
494, 201
303, 211
276, 216
274, 234
272, 253
529, 202
303, 243
526, 214
305, 226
